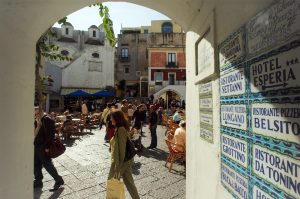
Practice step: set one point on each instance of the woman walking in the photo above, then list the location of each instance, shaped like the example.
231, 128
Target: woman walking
118, 147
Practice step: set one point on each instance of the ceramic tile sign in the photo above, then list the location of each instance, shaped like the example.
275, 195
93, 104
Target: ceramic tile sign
234, 116
232, 50
275, 120
273, 27
233, 83
281, 171
260, 105
281, 71
206, 111
235, 149
236, 183
260, 194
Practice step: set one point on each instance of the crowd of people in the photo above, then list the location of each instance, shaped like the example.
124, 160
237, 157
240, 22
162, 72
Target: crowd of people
122, 120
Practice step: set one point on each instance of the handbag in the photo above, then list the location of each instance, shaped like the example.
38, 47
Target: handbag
56, 148
115, 189
129, 151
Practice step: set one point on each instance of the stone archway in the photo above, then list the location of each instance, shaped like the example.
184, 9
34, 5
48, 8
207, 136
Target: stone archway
24, 21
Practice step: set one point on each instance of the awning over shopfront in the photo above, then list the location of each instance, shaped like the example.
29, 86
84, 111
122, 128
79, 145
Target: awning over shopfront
82, 92
104, 94
78, 93
67, 91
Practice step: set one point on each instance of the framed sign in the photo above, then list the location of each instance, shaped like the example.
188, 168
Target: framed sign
205, 51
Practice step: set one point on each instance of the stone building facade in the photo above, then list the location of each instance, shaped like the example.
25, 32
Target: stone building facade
143, 52
91, 68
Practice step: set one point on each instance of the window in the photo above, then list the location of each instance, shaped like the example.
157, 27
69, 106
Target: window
171, 78
124, 52
67, 31
95, 55
158, 78
171, 59
167, 27
126, 70
94, 33
95, 66
138, 73
64, 52
146, 31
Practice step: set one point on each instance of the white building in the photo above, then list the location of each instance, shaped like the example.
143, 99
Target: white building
91, 68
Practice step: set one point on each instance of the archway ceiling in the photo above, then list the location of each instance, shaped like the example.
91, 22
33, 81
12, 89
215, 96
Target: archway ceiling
182, 11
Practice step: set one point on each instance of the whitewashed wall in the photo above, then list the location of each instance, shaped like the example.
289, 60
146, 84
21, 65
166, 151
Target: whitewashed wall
77, 74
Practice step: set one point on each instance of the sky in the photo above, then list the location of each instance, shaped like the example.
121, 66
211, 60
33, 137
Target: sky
122, 15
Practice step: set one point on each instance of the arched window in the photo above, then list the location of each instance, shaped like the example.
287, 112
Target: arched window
167, 27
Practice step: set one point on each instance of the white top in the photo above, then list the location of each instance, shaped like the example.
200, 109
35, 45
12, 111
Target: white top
179, 138
130, 112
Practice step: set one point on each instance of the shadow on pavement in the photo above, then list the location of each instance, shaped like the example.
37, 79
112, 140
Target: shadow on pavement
154, 153
56, 193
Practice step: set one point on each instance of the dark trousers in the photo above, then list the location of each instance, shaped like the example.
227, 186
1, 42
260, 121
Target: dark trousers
40, 161
153, 136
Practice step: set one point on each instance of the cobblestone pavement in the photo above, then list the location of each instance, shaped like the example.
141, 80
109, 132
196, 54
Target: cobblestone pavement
85, 166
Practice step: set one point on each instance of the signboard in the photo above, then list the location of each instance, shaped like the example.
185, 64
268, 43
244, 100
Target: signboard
234, 116
205, 53
206, 118
205, 89
260, 194
273, 27
233, 83
232, 50
260, 105
280, 121
281, 71
280, 170
234, 148
235, 182
206, 111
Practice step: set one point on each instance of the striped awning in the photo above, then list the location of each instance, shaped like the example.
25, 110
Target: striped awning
66, 91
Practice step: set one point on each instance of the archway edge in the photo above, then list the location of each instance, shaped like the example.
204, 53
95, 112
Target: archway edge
48, 17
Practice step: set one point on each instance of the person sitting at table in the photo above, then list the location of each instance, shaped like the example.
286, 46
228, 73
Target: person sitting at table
179, 137
177, 116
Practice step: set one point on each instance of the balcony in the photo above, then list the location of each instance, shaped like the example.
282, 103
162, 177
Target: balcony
172, 65
124, 59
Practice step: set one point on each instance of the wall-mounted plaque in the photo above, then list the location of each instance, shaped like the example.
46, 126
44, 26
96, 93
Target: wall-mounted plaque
273, 27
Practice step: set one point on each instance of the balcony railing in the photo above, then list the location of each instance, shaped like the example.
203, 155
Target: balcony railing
171, 65
124, 59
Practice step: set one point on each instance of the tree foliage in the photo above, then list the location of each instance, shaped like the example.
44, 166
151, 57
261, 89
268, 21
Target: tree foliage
107, 23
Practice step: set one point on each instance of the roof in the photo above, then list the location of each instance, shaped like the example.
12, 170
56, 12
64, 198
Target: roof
93, 26
68, 24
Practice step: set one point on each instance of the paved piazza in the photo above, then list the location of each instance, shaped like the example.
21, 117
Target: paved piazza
85, 166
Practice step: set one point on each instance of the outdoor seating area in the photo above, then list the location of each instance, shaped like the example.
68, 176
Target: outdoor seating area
74, 125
